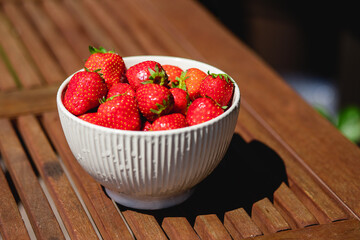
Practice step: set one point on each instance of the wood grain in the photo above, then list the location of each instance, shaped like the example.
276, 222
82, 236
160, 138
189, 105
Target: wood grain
72, 213
268, 219
17, 55
239, 224
292, 209
66, 57
28, 101
71, 29
210, 227
144, 226
11, 223
321, 203
52, 73
37, 207
178, 228
102, 210
312, 140
7, 82
348, 229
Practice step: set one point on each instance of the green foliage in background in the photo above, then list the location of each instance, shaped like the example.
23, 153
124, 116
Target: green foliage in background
347, 121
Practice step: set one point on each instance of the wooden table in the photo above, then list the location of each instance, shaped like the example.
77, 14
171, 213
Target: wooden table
288, 174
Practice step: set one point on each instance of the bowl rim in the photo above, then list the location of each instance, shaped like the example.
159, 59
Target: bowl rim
235, 102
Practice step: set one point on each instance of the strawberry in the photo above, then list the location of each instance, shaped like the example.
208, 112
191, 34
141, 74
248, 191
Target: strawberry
146, 126
120, 88
219, 87
154, 100
170, 121
111, 65
193, 80
202, 110
173, 73
83, 92
120, 112
181, 100
92, 117
147, 71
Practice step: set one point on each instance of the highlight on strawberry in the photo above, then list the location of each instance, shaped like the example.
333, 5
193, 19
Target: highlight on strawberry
147, 96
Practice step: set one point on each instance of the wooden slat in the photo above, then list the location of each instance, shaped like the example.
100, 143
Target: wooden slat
239, 224
292, 209
33, 198
52, 73
11, 224
144, 226
321, 204
348, 229
26, 101
101, 208
7, 82
69, 27
127, 46
178, 228
324, 208
210, 227
315, 143
73, 215
69, 61
267, 217
95, 30
17, 55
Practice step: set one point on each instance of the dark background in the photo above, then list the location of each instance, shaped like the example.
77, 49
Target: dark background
309, 38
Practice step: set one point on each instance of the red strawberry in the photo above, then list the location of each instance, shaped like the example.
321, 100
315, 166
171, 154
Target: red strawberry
83, 92
146, 126
92, 117
193, 80
111, 65
147, 71
120, 88
120, 112
218, 87
167, 122
154, 100
181, 100
202, 110
173, 73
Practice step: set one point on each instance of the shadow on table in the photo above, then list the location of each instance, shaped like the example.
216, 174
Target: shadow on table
249, 172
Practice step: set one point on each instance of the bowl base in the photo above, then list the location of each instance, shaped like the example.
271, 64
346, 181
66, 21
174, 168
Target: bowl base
148, 203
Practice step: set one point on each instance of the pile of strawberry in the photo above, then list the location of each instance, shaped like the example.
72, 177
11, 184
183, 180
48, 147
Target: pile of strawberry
147, 96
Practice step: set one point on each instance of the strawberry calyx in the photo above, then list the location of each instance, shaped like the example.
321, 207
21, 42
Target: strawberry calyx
157, 76
223, 76
180, 81
160, 107
104, 99
98, 50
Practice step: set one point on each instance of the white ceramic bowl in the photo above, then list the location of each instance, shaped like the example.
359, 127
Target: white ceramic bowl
150, 170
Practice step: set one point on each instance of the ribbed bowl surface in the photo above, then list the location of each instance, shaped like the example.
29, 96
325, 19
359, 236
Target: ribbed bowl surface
150, 164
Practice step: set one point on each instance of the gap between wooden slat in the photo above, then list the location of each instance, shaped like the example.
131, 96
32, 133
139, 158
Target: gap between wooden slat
52, 73
74, 218
101, 208
210, 227
239, 224
37, 207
